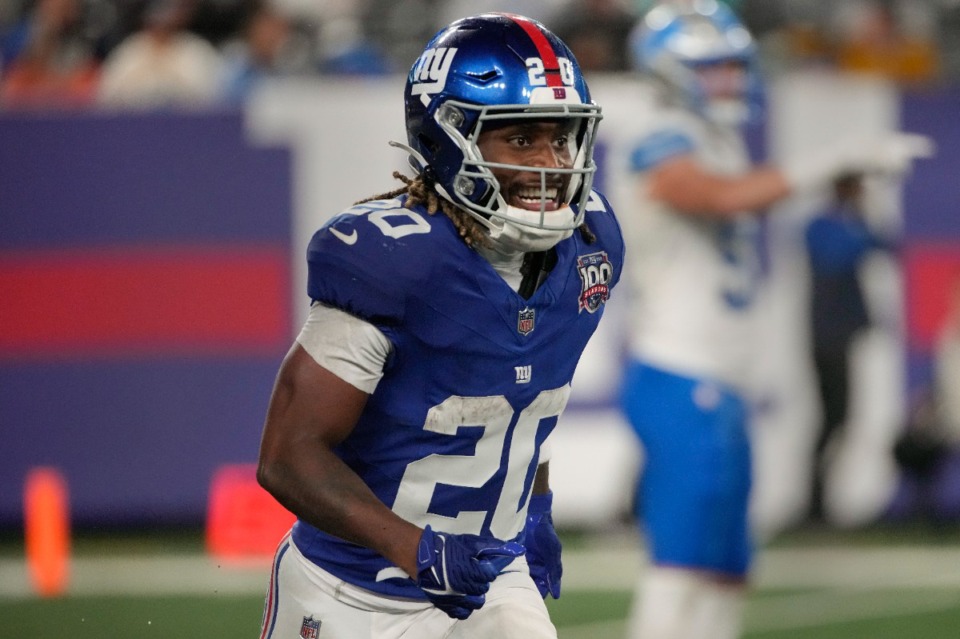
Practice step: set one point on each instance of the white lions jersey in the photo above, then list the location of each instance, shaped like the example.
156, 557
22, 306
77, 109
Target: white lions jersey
694, 278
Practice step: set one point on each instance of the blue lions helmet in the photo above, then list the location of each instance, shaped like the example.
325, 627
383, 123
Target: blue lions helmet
687, 45
484, 70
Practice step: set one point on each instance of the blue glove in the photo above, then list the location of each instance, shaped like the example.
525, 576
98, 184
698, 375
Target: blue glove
543, 546
455, 571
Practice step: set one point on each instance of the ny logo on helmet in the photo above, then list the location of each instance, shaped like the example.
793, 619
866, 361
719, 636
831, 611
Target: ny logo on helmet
429, 75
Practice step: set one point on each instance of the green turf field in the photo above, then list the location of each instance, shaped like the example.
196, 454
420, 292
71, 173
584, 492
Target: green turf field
578, 615
827, 587
109, 617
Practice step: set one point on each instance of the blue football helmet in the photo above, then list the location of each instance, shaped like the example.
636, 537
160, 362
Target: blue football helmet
683, 42
484, 70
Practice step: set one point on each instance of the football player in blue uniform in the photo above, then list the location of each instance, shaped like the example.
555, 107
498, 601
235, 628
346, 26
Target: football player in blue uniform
406, 428
693, 234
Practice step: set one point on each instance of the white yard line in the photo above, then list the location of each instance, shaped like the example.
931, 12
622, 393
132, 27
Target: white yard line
618, 566
804, 611
827, 607
869, 567
145, 575
851, 584
615, 566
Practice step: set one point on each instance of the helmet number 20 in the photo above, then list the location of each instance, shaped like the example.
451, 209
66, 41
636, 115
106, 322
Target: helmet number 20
537, 73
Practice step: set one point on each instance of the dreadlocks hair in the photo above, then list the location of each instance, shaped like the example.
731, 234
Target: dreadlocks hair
420, 190
587, 234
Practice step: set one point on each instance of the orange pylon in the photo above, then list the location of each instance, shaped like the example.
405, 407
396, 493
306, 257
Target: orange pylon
243, 520
46, 513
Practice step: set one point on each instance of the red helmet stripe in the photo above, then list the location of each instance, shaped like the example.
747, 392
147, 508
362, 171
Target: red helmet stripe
551, 65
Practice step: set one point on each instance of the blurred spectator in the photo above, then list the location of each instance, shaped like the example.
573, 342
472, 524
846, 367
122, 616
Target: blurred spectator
545, 11
163, 63
402, 26
46, 60
894, 39
268, 46
9, 12
838, 241
597, 32
220, 21
338, 33
346, 50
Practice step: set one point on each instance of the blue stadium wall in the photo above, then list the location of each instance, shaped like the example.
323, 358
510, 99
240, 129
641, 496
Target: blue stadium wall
146, 282
931, 250
144, 306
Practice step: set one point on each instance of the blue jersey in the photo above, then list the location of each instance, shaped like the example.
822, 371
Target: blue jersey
476, 380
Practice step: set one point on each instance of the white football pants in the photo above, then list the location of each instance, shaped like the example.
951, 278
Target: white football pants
303, 595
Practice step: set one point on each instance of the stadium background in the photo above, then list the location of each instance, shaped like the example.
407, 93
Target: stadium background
152, 276
151, 279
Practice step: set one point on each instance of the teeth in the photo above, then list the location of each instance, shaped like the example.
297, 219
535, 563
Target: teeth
537, 194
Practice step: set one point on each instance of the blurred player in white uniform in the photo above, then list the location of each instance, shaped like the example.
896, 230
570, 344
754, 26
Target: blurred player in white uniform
407, 424
695, 266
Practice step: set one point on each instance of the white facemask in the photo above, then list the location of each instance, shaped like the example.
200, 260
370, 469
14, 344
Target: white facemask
508, 237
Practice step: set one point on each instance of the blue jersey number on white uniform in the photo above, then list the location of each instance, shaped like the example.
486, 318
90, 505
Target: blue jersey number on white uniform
741, 276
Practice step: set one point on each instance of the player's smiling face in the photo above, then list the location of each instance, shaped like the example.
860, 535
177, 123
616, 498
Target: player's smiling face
542, 144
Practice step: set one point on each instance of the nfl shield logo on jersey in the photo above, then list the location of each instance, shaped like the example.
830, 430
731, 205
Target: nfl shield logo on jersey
310, 628
525, 321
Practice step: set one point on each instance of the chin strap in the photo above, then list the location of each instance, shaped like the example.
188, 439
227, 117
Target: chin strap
523, 236
535, 268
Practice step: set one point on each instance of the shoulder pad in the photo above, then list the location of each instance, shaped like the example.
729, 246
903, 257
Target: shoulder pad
604, 224
366, 259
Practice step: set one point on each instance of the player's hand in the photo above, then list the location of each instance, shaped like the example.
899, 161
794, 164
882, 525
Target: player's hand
893, 154
543, 546
890, 154
456, 570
